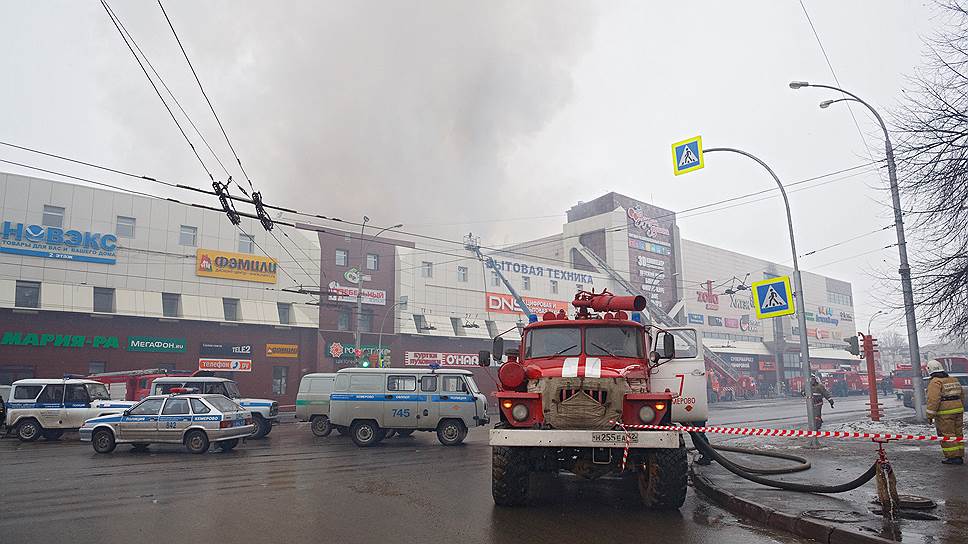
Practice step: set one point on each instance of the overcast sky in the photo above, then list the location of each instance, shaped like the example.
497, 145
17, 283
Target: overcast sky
491, 116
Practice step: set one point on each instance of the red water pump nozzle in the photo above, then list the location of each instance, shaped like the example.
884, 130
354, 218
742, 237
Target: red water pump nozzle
607, 302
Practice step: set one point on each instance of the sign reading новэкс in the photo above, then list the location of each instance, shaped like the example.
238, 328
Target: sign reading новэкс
57, 243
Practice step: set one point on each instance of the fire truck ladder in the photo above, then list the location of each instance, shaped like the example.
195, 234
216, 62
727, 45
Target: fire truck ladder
656, 314
472, 244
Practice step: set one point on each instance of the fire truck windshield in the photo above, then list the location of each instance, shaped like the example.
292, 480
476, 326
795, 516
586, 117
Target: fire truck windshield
613, 341
553, 341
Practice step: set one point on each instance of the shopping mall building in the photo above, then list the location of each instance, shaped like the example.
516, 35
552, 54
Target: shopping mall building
94, 280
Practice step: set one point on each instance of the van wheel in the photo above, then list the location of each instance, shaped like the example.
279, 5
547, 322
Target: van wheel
29, 430
53, 435
366, 433
103, 441
228, 445
262, 426
403, 433
196, 441
321, 425
451, 432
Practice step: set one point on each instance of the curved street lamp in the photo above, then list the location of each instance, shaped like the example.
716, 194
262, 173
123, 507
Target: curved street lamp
359, 288
904, 269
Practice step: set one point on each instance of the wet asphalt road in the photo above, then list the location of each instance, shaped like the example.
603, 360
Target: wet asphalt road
789, 413
293, 487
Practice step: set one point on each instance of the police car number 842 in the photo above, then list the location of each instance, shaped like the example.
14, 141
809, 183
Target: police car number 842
613, 438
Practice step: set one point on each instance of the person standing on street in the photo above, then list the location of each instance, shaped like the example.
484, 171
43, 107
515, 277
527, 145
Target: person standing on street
946, 409
819, 392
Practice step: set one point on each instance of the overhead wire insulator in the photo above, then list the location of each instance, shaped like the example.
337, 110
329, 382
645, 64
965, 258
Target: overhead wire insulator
226, 206
261, 211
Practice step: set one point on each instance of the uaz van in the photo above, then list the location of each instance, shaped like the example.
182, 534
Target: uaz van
370, 402
49, 407
312, 402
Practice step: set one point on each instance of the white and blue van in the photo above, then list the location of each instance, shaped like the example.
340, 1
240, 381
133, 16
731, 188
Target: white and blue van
49, 407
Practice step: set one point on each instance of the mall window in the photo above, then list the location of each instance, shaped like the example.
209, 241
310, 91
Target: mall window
246, 243
230, 307
342, 257
366, 321
53, 216
104, 300
462, 273
554, 287
28, 294
187, 236
526, 283
285, 312
426, 269
280, 374
372, 261
838, 298
343, 321
495, 279
97, 367
125, 227
171, 304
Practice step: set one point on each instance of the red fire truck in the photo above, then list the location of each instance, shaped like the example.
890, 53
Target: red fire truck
133, 384
566, 393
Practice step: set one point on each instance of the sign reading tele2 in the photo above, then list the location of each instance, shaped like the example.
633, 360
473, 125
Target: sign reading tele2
57, 243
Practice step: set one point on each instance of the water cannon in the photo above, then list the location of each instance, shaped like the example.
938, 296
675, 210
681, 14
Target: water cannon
606, 302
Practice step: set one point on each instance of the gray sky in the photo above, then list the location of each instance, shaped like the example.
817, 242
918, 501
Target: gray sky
456, 116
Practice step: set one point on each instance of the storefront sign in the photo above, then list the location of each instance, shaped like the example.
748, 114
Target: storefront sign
232, 350
541, 271
34, 339
731, 323
421, 358
650, 263
768, 366
696, 319
715, 321
352, 275
213, 263
156, 345
505, 304
846, 316
339, 350
651, 247
339, 293
739, 361
649, 225
748, 324
57, 243
708, 297
288, 351
226, 365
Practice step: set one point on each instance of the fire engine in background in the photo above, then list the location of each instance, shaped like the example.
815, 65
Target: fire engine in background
133, 384
843, 383
563, 397
745, 387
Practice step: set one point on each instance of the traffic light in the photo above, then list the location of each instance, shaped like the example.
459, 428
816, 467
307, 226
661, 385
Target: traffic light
853, 346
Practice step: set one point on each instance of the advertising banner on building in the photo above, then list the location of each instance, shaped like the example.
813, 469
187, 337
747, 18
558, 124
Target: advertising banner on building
652, 251
505, 304
213, 263
341, 293
289, 351
57, 243
225, 365
424, 358
156, 345
339, 350
243, 351
57, 340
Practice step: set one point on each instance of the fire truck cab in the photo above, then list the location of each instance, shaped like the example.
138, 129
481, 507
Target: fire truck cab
567, 393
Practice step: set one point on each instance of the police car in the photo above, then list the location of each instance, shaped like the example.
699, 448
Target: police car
49, 407
194, 420
264, 411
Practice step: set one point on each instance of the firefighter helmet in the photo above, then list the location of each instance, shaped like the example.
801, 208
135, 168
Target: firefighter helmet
935, 366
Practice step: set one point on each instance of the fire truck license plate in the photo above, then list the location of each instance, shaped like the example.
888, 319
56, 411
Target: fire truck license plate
613, 438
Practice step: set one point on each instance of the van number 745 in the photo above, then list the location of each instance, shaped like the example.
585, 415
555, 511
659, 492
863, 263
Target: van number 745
402, 412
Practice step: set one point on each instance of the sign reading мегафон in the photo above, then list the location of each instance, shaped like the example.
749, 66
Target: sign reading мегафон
156, 345
57, 243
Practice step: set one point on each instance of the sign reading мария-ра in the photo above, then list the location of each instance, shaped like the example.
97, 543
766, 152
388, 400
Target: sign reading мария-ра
57, 243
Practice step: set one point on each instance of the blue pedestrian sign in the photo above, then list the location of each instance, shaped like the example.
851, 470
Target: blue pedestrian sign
687, 155
773, 297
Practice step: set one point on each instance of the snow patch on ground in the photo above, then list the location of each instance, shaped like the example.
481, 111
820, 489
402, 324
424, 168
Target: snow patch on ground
892, 427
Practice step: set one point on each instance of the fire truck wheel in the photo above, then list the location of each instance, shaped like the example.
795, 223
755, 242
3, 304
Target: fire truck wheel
103, 441
451, 432
29, 430
196, 441
664, 478
366, 433
509, 476
262, 426
321, 426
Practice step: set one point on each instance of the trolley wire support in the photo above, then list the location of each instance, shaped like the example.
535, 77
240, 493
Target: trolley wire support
261, 211
224, 201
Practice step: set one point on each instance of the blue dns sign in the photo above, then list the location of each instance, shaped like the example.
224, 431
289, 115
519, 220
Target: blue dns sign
57, 243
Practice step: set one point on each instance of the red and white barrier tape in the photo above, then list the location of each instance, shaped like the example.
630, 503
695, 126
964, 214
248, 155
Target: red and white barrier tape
791, 433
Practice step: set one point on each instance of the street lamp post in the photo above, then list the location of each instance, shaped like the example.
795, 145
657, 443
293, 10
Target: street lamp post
797, 283
904, 269
359, 288
379, 345
871, 320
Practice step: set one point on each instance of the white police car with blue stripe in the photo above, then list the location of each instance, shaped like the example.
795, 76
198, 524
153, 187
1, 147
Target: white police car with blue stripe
265, 412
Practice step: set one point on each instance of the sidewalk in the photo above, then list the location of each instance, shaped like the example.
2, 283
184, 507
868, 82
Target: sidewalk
845, 517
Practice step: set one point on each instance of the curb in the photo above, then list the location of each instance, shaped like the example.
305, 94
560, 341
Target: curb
815, 529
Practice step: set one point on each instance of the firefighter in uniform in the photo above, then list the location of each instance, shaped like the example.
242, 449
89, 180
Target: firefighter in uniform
946, 409
818, 393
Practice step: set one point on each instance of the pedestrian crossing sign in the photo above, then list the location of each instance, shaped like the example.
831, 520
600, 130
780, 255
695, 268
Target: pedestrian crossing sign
687, 155
773, 297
